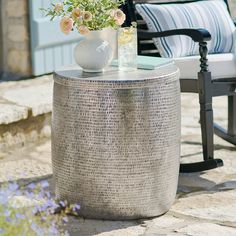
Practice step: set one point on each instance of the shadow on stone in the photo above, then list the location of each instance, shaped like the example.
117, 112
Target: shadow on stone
24, 181
216, 146
90, 227
194, 182
228, 185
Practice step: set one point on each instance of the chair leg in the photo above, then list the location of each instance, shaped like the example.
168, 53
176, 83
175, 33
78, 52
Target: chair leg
206, 118
230, 135
207, 128
206, 121
232, 116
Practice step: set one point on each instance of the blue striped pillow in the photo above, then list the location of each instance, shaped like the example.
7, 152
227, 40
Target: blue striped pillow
211, 15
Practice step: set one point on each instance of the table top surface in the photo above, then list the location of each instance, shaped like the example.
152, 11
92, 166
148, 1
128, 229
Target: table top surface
112, 74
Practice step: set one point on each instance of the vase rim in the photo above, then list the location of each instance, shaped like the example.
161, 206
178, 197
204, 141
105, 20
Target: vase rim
94, 33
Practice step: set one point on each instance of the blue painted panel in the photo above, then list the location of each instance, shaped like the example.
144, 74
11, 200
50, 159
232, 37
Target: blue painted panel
49, 33
67, 54
58, 61
50, 48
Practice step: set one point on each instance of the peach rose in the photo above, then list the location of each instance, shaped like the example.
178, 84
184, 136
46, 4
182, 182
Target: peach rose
66, 24
83, 29
58, 7
119, 17
76, 13
87, 16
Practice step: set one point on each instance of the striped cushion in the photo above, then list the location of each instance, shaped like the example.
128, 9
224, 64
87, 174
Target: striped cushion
211, 15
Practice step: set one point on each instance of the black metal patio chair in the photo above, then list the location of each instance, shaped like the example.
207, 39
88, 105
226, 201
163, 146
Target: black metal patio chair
207, 83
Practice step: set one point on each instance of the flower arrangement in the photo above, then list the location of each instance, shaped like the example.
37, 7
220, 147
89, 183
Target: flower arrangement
38, 220
87, 15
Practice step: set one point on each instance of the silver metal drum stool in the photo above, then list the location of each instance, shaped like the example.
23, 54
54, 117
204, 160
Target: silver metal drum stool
116, 141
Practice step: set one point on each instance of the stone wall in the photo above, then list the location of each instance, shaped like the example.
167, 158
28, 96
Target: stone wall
16, 44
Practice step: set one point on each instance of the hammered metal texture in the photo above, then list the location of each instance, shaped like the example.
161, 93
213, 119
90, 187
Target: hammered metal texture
116, 142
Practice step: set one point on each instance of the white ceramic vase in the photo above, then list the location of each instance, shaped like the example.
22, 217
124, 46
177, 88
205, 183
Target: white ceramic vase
93, 53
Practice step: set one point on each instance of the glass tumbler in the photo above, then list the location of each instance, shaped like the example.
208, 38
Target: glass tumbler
127, 48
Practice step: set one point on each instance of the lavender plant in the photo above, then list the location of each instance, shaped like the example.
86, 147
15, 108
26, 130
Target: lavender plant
46, 218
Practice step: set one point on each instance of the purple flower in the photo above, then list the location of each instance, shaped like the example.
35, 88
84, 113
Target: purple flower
13, 187
20, 216
42, 208
2, 231
37, 229
8, 219
5, 192
34, 226
7, 213
47, 194
77, 207
40, 195
3, 199
32, 186
65, 219
62, 203
52, 204
18, 192
29, 194
53, 231
44, 184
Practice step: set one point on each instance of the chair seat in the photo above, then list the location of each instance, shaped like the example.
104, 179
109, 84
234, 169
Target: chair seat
220, 65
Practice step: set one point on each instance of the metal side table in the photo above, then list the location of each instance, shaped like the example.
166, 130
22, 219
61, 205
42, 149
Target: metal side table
116, 141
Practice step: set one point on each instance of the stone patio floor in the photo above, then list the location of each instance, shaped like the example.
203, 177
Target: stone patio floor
205, 203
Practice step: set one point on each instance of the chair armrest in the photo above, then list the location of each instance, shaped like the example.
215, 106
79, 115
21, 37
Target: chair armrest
197, 35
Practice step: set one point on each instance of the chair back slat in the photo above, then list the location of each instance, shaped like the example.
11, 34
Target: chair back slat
150, 54
147, 45
141, 24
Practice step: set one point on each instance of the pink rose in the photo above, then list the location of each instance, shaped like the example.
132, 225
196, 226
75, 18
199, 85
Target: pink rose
119, 17
87, 16
76, 13
83, 29
66, 24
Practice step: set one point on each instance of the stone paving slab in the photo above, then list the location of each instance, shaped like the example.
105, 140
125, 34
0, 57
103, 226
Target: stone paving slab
25, 111
207, 229
11, 113
205, 203
33, 160
211, 205
38, 98
24, 98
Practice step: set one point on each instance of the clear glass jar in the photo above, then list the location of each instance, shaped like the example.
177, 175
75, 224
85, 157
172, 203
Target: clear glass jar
127, 48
